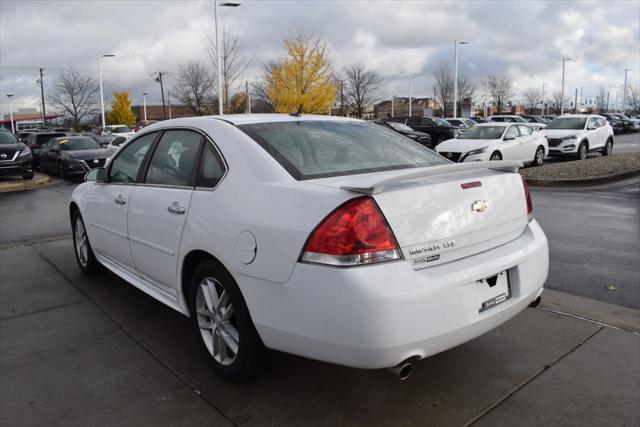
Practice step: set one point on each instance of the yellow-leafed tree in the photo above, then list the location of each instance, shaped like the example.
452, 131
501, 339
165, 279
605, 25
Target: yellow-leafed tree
121, 113
301, 81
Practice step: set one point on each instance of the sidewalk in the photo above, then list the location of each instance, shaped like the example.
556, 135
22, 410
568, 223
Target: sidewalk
80, 351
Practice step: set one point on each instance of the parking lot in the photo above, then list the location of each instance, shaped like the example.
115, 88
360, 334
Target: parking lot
85, 351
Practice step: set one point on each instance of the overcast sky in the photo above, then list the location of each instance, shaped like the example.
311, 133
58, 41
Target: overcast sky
526, 39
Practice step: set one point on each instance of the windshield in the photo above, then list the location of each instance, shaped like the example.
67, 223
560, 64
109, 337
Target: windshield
81, 143
567, 123
318, 149
121, 129
484, 132
7, 138
400, 127
470, 122
440, 122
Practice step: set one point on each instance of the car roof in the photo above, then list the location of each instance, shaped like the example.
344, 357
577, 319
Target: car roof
501, 124
577, 116
245, 119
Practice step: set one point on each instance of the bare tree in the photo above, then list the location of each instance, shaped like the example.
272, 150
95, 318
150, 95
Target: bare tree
362, 87
75, 93
533, 96
500, 89
444, 87
232, 64
633, 98
556, 97
466, 90
193, 87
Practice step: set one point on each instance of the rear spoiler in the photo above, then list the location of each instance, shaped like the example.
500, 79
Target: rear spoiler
376, 185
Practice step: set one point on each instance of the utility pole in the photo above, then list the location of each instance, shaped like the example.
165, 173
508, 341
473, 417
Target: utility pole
581, 89
159, 80
624, 94
575, 103
542, 101
42, 95
169, 102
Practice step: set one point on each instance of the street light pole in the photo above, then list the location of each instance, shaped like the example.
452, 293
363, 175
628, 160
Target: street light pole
101, 90
624, 94
455, 76
410, 91
564, 59
581, 89
392, 109
13, 129
215, 15
144, 105
542, 109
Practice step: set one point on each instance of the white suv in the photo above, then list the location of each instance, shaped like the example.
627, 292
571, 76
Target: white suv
576, 135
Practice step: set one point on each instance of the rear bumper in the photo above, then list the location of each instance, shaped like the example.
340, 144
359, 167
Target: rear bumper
377, 316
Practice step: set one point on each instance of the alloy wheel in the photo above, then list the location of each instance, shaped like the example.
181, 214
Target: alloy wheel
216, 321
82, 248
539, 156
583, 151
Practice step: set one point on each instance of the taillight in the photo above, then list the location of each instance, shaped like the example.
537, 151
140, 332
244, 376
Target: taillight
528, 197
355, 233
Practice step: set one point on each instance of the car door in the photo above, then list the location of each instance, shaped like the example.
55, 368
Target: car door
600, 132
160, 205
107, 205
527, 143
510, 144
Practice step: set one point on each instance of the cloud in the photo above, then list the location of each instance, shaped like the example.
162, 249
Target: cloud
526, 39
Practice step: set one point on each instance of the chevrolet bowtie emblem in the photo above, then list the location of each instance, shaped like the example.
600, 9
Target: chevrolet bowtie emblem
4, 156
479, 206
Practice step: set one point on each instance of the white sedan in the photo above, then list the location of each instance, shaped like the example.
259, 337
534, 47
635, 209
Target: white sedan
496, 141
329, 238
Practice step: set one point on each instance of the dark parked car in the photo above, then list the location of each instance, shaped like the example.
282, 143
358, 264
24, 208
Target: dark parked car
615, 122
630, 125
439, 130
36, 140
420, 137
72, 156
15, 157
534, 119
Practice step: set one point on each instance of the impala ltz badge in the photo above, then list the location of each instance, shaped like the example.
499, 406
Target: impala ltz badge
479, 206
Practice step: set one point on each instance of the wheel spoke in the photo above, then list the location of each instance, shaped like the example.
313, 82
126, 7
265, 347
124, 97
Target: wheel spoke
213, 293
230, 343
206, 325
207, 296
228, 312
232, 331
224, 299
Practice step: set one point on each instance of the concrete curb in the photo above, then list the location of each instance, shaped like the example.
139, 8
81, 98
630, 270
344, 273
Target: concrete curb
537, 182
39, 180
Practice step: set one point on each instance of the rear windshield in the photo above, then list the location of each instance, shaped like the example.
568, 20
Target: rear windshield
120, 129
41, 138
319, 149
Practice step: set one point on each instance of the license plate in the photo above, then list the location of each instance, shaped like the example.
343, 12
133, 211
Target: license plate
493, 291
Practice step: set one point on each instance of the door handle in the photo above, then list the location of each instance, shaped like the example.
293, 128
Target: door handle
120, 200
176, 208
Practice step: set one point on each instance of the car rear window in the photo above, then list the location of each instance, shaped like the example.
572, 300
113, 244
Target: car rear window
319, 149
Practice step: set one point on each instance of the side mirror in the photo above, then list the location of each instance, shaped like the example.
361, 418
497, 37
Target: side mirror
591, 127
97, 175
508, 138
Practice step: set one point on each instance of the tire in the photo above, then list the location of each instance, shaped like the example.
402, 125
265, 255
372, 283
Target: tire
538, 158
495, 156
61, 171
608, 148
85, 257
230, 343
27, 176
582, 152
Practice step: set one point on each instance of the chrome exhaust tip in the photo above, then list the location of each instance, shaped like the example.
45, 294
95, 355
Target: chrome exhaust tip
402, 370
535, 302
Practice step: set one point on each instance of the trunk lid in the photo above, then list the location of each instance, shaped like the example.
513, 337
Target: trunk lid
435, 220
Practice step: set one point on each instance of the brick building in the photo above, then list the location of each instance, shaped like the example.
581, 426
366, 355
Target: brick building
400, 107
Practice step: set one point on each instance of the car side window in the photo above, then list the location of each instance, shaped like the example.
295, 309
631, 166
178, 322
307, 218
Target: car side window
512, 132
426, 122
591, 123
600, 122
124, 168
525, 130
174, 159
119, 140
211, 168
413, 122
